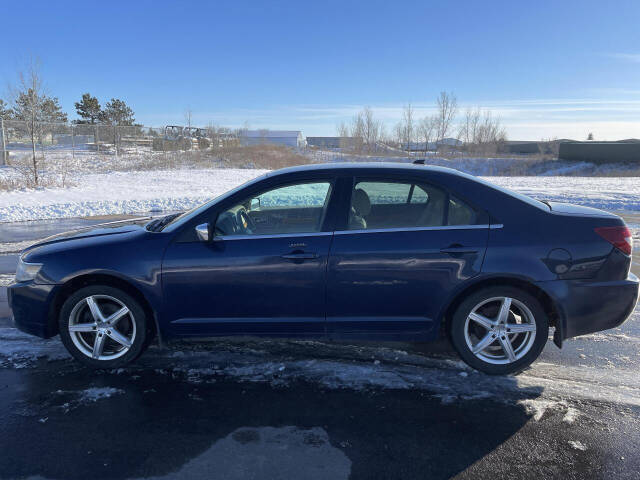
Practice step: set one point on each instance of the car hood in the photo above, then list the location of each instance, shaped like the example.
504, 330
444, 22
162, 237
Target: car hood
579, 210
100, 230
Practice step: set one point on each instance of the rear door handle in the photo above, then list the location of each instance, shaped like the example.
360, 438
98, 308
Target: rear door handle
300, 256
457, 249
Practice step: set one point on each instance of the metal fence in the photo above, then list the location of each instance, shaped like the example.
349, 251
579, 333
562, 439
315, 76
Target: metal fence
22, 139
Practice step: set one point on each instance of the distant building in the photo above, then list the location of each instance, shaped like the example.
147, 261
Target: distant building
624, 151
444, 144
419, 147
522, 147
334, 142
290, 138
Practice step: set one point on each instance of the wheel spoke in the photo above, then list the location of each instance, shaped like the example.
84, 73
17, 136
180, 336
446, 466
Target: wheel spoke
507, 347
118, 337
520, 327
487, 340
482, 320
503, 315
115, 318
95, 310
98, 346
82, 327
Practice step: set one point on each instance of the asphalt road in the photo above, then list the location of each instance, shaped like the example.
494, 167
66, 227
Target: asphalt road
290, 409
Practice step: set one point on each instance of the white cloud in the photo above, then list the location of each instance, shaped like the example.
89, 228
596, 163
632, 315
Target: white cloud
626, 57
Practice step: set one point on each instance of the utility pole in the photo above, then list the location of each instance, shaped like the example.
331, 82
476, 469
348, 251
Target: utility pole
3, 153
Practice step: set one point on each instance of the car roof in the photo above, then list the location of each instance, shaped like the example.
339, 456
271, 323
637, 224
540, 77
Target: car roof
314, 167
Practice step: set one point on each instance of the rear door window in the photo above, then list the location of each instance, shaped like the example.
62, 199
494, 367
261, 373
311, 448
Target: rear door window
395, 204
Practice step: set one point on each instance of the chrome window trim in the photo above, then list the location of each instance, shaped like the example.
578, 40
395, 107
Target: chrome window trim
414, 229
275, 235
348, 232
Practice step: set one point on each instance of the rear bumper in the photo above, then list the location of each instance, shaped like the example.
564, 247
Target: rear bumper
30, 304
587, 307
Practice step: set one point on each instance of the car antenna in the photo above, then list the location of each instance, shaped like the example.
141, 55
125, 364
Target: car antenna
419, 161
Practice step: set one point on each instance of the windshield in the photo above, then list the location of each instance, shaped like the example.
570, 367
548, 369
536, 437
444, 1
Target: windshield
182, 218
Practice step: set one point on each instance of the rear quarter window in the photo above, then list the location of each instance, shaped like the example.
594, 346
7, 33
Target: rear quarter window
461, 213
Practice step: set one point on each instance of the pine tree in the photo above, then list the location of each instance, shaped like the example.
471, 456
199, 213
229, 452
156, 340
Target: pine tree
117, 112
88, 109
5, 111
590, 136
52, 111
29, 106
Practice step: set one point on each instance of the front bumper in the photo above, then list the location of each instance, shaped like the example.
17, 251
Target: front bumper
30, 304
587, 306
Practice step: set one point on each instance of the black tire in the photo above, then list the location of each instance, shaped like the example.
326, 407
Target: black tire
137, 316
458, 321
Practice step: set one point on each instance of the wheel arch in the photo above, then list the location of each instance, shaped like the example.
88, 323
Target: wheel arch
85, 280
548, 304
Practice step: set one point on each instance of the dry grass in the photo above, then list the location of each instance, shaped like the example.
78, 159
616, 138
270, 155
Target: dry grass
263, 157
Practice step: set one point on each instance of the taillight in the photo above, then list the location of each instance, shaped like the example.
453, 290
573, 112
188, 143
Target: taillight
619, 237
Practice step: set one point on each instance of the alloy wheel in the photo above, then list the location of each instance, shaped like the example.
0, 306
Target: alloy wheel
500, 330
102, 327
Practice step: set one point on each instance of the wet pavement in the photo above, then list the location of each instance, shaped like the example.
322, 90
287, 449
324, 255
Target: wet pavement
298, 409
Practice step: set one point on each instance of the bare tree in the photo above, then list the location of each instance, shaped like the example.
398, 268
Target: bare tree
364, 129
357, 129
481, 132
469, 126
343, 132
371, 128
426, 131
447, 108
28, 97
264, 133
406, 129
342, 129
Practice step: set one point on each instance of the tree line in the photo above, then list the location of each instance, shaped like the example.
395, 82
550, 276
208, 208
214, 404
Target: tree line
478, 131
29, 101
34, 108
32, 103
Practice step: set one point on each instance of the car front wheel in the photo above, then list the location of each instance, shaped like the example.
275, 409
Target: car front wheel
103, 327
499, 330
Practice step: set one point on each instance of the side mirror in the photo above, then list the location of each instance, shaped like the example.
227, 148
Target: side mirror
255, 204
202, 231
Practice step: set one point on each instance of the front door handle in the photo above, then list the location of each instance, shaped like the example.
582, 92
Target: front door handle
300, 256
458, 249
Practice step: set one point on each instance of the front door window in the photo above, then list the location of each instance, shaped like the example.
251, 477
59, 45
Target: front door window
289, 209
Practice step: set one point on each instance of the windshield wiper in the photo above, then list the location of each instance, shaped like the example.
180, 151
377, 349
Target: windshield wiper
159, 223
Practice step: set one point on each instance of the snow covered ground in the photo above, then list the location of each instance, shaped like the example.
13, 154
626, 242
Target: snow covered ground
607, 193
178, 189
122, 192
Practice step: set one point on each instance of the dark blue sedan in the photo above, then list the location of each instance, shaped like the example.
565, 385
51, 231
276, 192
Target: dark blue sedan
349, 251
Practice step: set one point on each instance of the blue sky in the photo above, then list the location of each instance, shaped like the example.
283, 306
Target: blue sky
547, 68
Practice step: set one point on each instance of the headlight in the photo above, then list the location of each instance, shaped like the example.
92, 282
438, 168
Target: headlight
27, 271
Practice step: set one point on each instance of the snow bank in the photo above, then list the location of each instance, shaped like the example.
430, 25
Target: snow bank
172, 190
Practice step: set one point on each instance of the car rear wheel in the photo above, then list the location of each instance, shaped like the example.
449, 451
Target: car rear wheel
499, 330
103, 327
